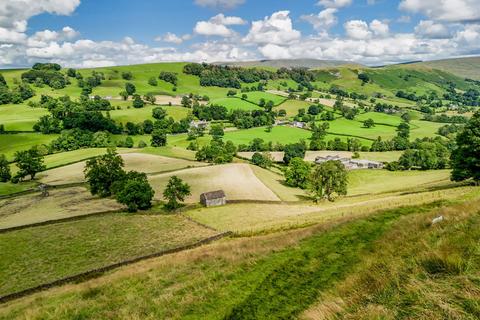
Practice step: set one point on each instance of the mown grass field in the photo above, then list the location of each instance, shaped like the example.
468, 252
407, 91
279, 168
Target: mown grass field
40, 255
246, 219
141, 114
60, 204
20, 117
307, 269
238, 181
292, 107
141, 162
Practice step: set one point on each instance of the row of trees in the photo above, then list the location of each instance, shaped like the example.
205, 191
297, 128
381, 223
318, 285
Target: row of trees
18, 94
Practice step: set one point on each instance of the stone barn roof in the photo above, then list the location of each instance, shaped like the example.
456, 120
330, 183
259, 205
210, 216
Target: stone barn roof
213, 195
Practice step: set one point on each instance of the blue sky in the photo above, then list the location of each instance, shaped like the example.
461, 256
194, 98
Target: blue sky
107, 32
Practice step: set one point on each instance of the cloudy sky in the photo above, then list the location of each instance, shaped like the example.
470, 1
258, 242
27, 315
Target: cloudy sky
88, 33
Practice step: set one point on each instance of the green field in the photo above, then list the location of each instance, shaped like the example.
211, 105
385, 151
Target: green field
10, 143
292, 107
20, 117
139, 115
79, 246
235, 103
255, 97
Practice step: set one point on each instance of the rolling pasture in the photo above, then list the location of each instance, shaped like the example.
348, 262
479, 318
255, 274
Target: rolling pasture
60, 204
133, 161
234, 103
59, 250
246, 186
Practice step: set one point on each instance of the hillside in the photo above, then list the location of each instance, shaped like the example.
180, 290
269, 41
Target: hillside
290, 63
462, 67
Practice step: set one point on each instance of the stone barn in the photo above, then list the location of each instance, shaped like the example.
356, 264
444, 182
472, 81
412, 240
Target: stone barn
214, 198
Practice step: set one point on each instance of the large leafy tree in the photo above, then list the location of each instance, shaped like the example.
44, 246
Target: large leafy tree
327, 179
134, 191
29, 163
159, 138
103, 171
465, 159
294, 150
175, 192
297, 173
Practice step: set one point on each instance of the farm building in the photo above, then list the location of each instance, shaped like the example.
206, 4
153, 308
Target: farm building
299, 124
213, 199
351, 164
198, 124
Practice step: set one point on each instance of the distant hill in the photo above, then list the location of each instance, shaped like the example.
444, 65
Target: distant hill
287, 63
462, 67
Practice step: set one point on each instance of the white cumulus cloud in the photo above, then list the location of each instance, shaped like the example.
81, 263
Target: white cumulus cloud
323, 20
445, 10
276, 29
432, 30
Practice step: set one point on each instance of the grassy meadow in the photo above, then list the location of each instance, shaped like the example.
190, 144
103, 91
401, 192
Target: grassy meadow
86, 244
309, 271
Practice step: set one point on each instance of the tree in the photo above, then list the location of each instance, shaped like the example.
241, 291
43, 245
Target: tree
159, 138
314, 110
231, 93
403, 130
134, 191
29, 163
297, 173
216, 131
186, 102
175, 191
465, 159
5, 173
103, 171
127, 75
130, 88
369, 123
262, 160
159, 113
138, 102
328, 178
150, 97
217, 152
295, 150
124, 95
